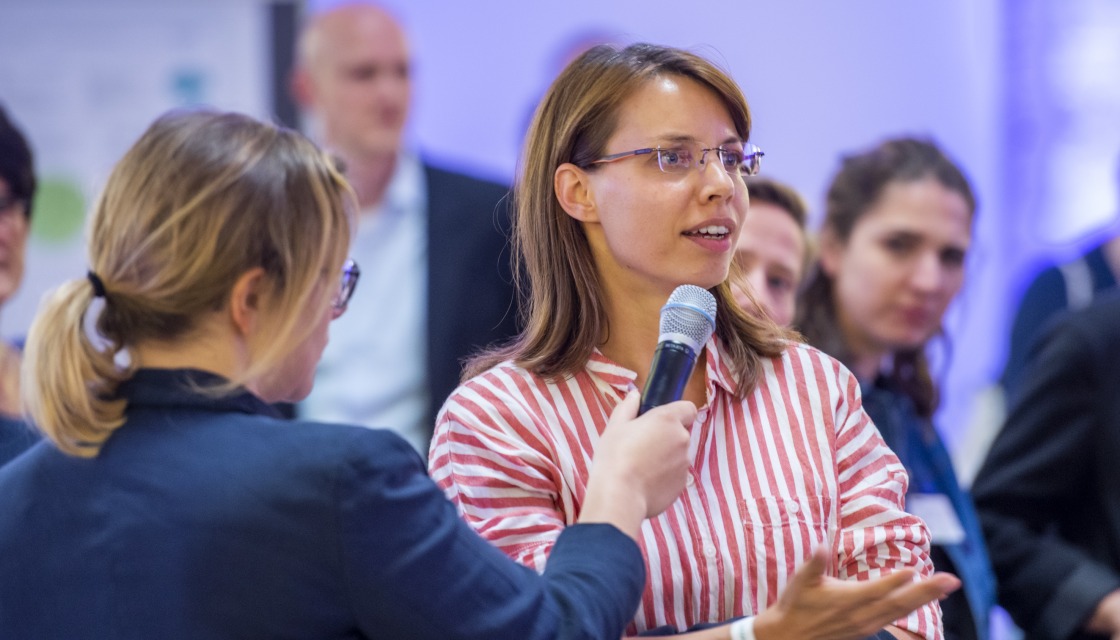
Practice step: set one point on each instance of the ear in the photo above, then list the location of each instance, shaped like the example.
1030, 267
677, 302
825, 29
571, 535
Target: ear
573, 190
830, 252
246, 300
301, 87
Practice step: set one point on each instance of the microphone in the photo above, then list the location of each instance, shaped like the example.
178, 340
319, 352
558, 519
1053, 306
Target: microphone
687, 321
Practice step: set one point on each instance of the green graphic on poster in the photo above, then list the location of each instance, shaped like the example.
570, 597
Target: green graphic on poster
59, 211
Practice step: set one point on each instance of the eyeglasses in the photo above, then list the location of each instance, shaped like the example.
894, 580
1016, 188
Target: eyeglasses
346, 285
746, 161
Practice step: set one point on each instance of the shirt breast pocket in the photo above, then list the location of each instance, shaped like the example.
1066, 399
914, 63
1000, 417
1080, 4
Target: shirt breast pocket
781, 533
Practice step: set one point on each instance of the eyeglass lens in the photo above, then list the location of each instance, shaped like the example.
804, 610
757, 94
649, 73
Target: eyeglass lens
746, 161
347, 284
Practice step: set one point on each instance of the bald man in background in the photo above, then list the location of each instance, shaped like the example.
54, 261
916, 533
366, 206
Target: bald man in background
432, 244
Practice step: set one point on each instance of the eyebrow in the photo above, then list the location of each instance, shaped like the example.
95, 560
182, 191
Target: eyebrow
685, 139
912, 236
783, 270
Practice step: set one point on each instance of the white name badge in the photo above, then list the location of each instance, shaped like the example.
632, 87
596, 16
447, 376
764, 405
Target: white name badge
937, 512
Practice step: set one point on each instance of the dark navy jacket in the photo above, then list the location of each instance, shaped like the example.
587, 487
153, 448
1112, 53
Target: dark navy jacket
1049, 490
1058, 288
210, 517
15, 438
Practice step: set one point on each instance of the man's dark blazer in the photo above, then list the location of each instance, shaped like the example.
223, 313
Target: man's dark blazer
1048, 493
470, 284
471, 302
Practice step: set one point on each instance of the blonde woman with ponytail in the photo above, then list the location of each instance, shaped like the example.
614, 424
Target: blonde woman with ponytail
170, 500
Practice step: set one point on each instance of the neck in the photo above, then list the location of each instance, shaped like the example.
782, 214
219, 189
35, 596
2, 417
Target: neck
634, 328
370, 176
861, 356
866, 366
205, 351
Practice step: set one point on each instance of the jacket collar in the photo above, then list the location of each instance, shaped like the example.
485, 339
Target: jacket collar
185, 388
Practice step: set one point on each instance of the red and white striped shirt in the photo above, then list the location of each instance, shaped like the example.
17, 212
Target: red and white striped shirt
795, 465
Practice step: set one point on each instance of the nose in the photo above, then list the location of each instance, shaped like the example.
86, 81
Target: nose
927, 275
718, 184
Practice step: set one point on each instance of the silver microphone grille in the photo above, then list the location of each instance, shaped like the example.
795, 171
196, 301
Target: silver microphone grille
690, 314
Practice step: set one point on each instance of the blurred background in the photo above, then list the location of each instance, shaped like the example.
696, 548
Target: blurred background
1023, 93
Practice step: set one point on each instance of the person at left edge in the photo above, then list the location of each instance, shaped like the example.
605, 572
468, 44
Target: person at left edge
17, 188
171, 501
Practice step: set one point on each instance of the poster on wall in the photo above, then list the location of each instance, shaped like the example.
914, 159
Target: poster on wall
83, 80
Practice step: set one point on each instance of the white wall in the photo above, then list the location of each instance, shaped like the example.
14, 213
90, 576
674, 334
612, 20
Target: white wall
822, 77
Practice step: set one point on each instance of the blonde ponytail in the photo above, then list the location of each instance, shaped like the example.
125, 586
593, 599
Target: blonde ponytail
68, 383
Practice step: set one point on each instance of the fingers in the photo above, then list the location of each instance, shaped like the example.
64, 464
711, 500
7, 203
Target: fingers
832, 607
628, 408
682, 411
808, 574
883, 586
947, 581
880, 608
915, 594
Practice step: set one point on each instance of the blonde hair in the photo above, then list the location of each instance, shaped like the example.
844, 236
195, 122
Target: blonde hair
561, 298
201, 198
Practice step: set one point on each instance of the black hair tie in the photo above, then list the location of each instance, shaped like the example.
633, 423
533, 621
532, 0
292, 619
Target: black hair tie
98, 285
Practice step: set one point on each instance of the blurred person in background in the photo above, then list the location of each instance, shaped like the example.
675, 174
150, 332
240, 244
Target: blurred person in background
897, 229
433, 243
1048, 493
1056, 288
17, 190
774, 250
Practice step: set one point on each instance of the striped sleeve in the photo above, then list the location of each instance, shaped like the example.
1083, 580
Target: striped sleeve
495, 464
877, 536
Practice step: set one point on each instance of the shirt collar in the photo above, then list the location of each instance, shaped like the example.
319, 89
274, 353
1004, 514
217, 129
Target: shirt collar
719, 371
407, 190
605, 369
622, 379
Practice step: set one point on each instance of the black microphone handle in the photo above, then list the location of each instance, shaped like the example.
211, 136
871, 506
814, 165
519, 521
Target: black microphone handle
668, 375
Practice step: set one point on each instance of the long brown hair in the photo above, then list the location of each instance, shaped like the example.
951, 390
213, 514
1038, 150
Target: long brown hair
854, 190
561, 299
201, 198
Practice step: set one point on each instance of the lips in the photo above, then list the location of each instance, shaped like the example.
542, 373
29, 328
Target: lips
918, 317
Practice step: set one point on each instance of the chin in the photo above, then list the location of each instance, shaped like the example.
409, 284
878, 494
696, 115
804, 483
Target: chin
284, 393
383, 142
